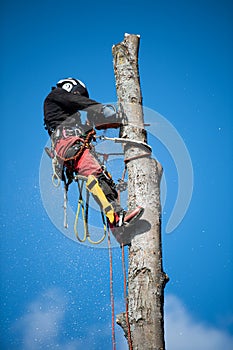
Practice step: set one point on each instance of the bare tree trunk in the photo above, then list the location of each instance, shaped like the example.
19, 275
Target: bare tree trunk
146, 279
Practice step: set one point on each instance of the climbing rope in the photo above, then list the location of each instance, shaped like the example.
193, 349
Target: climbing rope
80, 206
65, 200
55, 177
112, 294
111, 291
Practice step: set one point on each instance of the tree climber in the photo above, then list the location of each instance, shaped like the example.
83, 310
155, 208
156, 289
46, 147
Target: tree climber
71, 140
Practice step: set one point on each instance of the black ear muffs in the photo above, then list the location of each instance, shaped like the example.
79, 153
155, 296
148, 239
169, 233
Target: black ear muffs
80, 90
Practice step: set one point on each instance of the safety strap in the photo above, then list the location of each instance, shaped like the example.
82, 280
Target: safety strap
84, 212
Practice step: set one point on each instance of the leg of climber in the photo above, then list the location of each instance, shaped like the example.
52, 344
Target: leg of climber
121, 217
87, 164
103, 189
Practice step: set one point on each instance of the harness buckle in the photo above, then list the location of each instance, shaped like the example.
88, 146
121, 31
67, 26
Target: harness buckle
71, 131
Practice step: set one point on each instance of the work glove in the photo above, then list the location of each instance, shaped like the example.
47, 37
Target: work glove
109, 119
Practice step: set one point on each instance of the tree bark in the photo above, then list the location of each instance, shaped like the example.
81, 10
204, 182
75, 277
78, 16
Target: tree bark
146, 279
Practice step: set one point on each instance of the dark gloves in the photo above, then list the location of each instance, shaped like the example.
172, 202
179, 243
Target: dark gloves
108, 119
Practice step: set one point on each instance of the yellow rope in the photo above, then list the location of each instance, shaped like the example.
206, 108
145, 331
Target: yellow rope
85, 224
80, 204
101, 239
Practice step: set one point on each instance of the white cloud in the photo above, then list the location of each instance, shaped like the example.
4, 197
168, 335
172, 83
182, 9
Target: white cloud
183, 332
41, 324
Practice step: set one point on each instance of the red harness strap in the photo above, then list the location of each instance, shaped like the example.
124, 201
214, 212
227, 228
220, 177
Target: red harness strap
64, 144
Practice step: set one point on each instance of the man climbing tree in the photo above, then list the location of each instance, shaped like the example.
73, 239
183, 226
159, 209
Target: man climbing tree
71, 144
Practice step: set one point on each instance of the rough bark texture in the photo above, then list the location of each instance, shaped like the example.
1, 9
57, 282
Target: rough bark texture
146, 279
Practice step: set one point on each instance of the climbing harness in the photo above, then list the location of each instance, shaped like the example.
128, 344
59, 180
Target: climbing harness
85, 143
92, 185
67, 146
61, 172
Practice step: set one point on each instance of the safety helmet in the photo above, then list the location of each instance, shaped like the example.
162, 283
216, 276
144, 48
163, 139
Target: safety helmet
73, 85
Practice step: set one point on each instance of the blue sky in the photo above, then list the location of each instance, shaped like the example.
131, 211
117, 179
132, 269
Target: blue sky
54, 291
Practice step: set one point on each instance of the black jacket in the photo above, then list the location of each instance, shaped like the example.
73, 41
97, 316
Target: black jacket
61, 107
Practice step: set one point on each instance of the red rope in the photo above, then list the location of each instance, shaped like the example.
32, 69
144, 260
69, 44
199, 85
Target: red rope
126, 298
124, 274
111, 292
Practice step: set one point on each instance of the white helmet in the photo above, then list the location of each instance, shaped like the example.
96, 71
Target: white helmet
71, 85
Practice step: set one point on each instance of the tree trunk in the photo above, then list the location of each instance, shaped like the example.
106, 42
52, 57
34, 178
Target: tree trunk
146, 279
